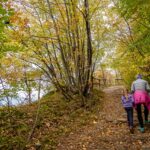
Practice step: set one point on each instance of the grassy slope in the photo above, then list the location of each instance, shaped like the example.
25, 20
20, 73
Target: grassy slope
57, 118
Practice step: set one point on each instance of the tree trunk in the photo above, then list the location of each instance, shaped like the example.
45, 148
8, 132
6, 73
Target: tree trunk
89, 47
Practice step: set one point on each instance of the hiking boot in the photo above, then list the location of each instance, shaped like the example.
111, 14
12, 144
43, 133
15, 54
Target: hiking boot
131, 130
141, 129
147, 121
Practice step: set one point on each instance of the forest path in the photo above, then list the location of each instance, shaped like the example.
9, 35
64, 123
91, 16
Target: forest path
110, 130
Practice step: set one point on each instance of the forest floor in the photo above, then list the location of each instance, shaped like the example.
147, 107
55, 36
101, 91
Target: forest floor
109, 130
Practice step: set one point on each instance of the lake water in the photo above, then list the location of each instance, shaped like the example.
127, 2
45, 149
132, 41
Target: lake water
21, 98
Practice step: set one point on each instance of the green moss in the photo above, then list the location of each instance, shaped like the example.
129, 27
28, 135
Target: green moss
9, 143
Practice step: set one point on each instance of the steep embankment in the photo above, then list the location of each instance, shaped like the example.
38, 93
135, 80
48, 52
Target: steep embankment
56, 118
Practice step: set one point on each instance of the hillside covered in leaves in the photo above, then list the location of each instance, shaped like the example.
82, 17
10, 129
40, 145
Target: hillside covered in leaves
43, 123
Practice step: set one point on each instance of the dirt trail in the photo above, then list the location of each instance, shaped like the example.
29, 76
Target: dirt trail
110, 131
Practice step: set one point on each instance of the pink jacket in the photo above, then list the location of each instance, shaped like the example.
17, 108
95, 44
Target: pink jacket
142, 97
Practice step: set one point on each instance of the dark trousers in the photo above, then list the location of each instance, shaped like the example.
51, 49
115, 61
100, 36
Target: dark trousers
129, 111
139, 114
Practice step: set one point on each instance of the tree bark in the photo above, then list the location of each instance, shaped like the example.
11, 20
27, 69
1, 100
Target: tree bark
89, 47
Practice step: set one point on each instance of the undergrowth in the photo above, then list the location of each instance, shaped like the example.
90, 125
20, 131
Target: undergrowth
57, 118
